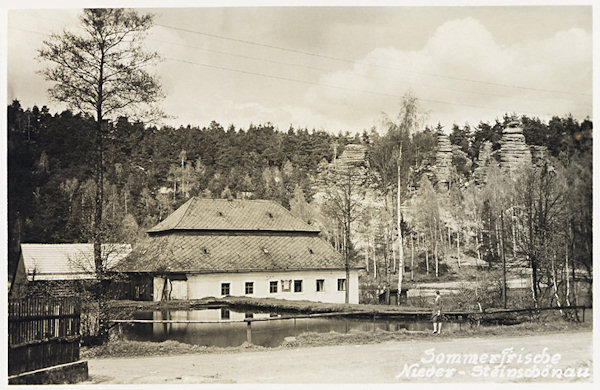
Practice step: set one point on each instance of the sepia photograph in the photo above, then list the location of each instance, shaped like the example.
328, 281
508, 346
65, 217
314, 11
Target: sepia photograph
275, 193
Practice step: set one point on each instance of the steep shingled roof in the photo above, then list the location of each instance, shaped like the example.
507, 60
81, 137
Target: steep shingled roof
209, 253
68, 261
234, 215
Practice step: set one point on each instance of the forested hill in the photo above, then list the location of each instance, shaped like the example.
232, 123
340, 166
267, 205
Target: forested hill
150, 171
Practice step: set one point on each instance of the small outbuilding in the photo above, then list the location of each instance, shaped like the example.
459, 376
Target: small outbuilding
254, 248
60, 269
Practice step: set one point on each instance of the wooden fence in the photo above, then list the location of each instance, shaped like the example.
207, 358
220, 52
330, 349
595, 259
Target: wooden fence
42, 332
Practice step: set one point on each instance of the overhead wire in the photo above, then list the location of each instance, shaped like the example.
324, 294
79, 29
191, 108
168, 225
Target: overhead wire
372, 77
310, 82
350, 61
346, 60
348, 88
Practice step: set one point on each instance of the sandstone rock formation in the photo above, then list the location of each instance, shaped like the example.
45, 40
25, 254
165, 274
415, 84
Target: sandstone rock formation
514, 151
443, 160
354, 155
483, 161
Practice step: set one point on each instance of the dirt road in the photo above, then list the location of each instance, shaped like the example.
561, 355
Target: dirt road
388, 362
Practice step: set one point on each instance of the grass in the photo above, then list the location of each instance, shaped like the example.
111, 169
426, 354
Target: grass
265, 304
125, 348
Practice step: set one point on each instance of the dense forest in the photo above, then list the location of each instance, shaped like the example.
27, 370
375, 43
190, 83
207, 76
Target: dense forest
150, 171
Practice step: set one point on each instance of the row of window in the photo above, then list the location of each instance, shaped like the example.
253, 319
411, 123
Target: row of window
286, 286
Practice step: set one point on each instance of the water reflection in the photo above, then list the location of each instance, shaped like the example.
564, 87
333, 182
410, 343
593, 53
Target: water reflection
265, 333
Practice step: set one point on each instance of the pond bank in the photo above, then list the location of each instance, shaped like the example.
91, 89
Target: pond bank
123, 309
124, 348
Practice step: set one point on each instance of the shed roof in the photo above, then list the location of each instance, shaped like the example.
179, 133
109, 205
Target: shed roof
213, 253
232, 215
68, 261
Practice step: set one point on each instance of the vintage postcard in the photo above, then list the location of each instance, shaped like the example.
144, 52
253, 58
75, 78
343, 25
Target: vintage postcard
284, 193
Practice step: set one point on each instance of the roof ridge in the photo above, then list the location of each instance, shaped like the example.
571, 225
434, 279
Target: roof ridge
293, 216
189, 202
72, 243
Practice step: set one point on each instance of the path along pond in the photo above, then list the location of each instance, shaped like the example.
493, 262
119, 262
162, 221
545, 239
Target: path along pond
222, 331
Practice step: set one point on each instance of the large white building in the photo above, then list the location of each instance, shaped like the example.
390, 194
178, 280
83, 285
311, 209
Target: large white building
254, 248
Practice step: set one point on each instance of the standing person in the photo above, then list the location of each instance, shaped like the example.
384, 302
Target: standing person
436, 316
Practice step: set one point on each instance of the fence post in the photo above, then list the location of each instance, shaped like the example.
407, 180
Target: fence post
583, 315
249, 331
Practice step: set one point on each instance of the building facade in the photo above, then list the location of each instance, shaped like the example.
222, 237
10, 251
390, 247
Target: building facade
253, 248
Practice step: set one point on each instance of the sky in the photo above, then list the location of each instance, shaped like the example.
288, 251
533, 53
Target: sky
344, 68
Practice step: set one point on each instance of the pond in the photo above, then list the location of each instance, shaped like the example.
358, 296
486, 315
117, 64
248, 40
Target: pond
265, 333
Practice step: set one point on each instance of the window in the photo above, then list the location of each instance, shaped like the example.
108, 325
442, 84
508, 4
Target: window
249, 315
225, 288
224, 313
273, 287
341, 284
286, 285
297, 286
320, 285
249, 287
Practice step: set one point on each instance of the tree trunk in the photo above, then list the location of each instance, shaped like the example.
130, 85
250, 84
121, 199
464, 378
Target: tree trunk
504, 298
426, 261
412, 257
435, 255
567, 300
393, 254
514, 235
532, 259
400, 245
99, 198
554, 284
497, 233
477, 247
367, 255
458, 247
374, 260
347, 255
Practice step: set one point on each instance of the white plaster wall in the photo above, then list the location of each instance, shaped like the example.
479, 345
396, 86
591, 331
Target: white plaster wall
209, 285
158, 288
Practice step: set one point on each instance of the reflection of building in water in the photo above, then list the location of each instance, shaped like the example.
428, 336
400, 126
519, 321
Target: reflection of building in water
254, 248
266, 333
212, 316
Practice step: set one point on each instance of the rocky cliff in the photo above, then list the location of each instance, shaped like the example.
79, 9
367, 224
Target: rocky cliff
485, 157
443, 160
514, 151
354, 155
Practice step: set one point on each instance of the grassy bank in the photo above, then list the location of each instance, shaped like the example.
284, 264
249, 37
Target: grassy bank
124, 348
266, 304
124, 309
